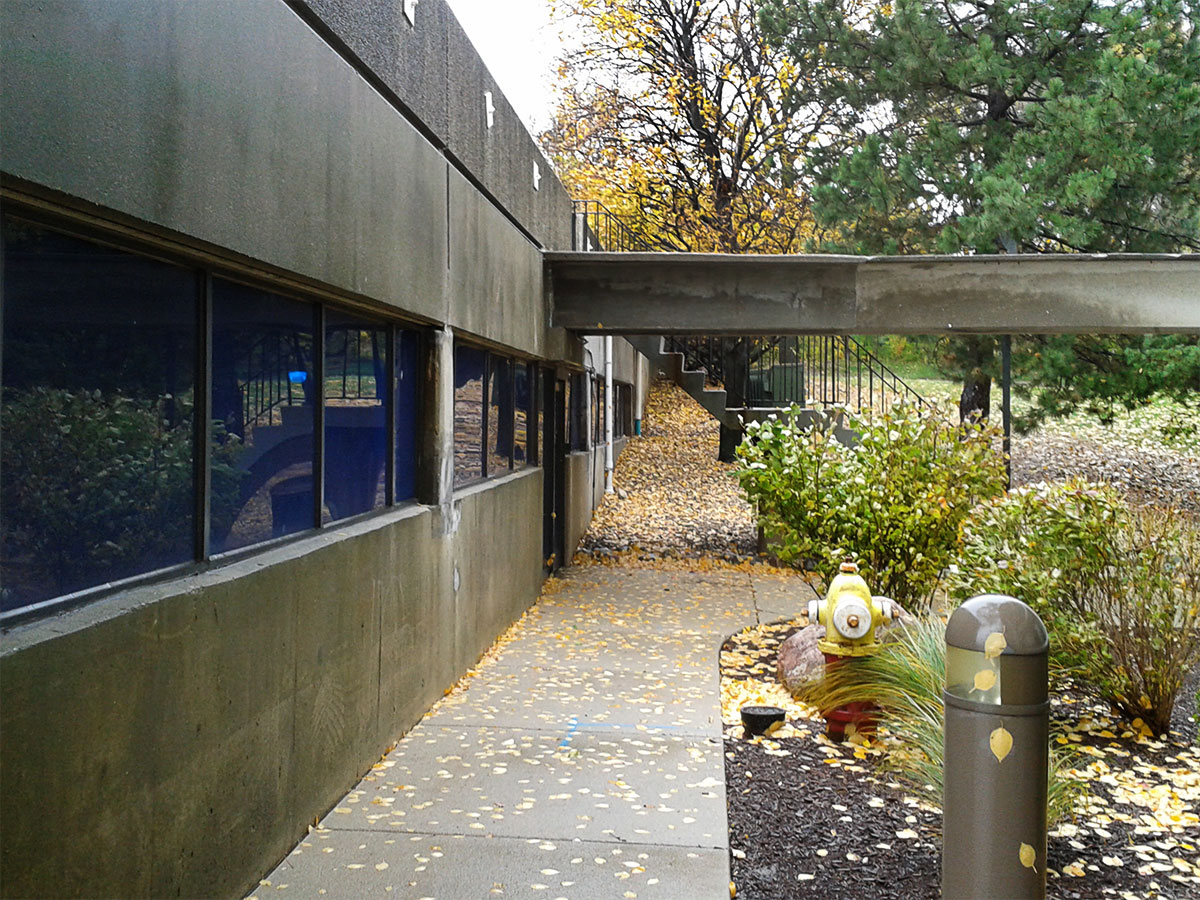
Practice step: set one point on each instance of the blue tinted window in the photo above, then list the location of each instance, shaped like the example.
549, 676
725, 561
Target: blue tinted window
524, 444
500, 414
97, 404
578, 410
408, 372
469, 365
357, 379
264, 397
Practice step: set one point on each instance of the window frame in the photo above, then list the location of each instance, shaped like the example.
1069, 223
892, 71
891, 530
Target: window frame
205, 269
532, 369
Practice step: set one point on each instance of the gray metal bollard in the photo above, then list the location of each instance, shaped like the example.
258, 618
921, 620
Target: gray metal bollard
996, 752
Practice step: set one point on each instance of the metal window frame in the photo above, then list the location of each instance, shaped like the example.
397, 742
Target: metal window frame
206, 268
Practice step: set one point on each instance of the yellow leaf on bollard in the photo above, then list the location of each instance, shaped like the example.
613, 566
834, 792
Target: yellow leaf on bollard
1028, 857
985, 680
994, 645
1001, 743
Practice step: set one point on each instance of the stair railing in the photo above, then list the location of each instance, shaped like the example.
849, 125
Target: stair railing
596, 227
809, 370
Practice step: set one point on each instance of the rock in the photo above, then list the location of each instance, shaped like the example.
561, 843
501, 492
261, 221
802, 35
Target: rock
799, 660
891, 628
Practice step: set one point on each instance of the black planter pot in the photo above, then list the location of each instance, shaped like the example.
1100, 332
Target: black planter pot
757, 719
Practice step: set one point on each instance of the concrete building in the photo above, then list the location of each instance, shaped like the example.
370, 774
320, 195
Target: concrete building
287, 439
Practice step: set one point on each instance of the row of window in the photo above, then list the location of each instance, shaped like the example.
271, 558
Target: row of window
109, 469
154, 414
493, 411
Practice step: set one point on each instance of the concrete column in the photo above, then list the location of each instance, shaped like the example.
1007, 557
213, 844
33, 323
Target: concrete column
435, 477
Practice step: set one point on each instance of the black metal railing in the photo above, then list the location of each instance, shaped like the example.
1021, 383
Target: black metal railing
276, 373
809, 370
596, 227
275, 365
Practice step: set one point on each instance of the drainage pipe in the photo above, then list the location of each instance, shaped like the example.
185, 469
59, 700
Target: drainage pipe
608, 414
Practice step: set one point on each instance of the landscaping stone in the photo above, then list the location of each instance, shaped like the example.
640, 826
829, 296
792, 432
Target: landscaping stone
799, 659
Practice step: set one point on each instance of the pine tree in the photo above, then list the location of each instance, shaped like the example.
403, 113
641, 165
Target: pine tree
1061, 126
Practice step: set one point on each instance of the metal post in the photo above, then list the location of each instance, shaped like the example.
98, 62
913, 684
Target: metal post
1006, 404
996, 752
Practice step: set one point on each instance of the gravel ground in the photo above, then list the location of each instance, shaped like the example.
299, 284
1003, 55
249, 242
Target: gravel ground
1156, 475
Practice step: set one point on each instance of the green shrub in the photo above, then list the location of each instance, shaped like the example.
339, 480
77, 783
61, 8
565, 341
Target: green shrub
893, 502
905, 680
1118, 588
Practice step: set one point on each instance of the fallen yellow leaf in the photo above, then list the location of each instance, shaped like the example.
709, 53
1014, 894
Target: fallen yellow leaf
1000, 742
994, 645
1028, 857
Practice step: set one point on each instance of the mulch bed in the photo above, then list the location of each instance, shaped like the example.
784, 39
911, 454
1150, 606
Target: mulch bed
810, 819
676, 505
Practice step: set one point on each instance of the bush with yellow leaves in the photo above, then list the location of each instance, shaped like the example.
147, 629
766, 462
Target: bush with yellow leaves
892, 501
1118, 587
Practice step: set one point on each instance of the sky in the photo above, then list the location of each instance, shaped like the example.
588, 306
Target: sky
520, 47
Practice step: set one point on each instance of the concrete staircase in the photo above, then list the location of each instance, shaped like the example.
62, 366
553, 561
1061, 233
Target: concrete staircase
691, 380
856, 360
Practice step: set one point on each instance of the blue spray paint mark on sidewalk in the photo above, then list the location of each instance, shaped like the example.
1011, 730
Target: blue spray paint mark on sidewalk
572, 727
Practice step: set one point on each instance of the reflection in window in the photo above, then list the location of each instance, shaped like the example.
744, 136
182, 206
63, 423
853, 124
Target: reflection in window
469, 363
356, 414
578, 411
597, 412
524, 444
264, 413
626, 395
539, 440
97, 406
500, 414
408, 371
569, 407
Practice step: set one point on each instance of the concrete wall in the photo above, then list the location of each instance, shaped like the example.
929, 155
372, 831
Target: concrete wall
176, 738
434, 70
172, 740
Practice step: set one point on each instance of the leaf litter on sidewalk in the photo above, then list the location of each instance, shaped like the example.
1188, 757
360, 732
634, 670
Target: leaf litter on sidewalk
810, 818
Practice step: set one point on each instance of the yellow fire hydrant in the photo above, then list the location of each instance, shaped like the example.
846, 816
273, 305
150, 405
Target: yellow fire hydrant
850, 615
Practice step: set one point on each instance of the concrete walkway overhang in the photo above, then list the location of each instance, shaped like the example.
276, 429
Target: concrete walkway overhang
681, 293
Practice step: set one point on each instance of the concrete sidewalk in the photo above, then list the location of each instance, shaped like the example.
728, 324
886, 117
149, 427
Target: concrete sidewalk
584, 759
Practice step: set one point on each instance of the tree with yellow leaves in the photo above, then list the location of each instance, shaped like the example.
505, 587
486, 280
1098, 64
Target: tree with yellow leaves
680, 117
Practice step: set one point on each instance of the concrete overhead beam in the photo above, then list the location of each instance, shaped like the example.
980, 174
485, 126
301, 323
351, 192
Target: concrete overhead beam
677, 293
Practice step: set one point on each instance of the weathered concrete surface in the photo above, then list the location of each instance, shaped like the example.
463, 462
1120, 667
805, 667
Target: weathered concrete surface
457, 867
497, 568
782, 597
576, 761
679, 293
431, 67
234, 127
569, 782
200, 724
581, 488
495, 286
591, 695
